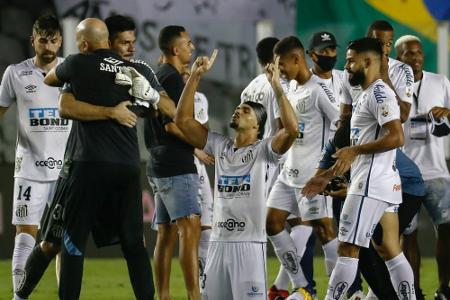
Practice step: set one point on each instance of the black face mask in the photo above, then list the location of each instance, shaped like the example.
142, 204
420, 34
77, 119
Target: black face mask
326, 63
358, 78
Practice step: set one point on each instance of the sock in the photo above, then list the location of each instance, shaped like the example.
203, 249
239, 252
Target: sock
342, 277
331, 255
402, 277
287, 254
203, 247
23, 245
300, 235
35, 267
15, 297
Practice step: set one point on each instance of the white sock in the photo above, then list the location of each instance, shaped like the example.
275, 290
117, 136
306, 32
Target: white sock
300, 235
203, 247
331, 255
23, 245
402, 277
287, 254
371, 295
17, 298
342, 277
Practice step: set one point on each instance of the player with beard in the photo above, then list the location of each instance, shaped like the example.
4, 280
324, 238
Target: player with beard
41, 139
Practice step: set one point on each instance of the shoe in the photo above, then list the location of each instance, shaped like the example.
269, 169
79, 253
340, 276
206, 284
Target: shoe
420, 295
442, 294
358, 295
300, 294
275, 294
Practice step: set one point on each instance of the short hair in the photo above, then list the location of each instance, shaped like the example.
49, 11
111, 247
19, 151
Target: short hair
379, 25
366, 44
261, 116
117, 24
288, 44
264, 50
166, 37
406, 39
47, 25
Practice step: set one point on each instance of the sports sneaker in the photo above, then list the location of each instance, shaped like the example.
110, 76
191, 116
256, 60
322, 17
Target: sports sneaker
420, 295
442, 294
358, 295
300, 294
275, 294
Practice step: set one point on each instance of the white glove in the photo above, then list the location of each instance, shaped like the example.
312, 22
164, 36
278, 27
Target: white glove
124, 77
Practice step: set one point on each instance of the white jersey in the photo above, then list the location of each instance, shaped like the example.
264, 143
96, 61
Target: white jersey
259, 90
374, 175
334, 83
42, 133
425, 149
315, 111
239, 191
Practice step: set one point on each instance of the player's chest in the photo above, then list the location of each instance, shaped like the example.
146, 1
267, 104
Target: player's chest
31, 91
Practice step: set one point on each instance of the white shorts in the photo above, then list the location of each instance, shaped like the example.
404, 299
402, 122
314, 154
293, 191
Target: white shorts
235, 270
29, 200
316, 208
359, 217
283, 197
205, 196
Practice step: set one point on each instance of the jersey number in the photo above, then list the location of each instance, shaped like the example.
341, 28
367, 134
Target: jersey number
26, 194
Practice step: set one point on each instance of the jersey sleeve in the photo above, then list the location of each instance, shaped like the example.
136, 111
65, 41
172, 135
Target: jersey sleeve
214, 143
446, 84
327, 161
404, 83
386, 109
66, 70
269, 155
7, 93
146, 71
346, 97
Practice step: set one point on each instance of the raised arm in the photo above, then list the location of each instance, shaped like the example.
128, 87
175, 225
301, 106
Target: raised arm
284, 138
195, 133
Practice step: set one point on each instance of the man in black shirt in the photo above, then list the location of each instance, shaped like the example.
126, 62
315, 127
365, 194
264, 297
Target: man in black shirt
172, 173
103, 194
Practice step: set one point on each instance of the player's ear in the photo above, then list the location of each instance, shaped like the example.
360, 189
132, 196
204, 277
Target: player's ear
367, 61
32, 40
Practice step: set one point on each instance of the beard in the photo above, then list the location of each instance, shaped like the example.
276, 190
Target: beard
357, 78
233, 125
47, 57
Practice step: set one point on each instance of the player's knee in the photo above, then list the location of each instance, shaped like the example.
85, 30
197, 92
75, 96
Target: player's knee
324, 231
274, 224
189, 225
50, 249
29, 229
348, 250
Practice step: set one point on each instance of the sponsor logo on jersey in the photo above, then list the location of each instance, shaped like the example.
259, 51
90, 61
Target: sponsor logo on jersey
255, 291
231, 225
378, 92
396, 187
340, 289
289, 260
327, 91
50, 163
26, 73
31, 88
47, 118
22, 211
234, 186
404, 290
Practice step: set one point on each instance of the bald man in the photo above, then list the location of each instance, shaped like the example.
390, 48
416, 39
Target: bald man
100, 184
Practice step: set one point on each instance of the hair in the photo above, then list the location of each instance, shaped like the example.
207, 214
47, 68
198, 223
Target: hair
261, 116
366, 44
166, 37
341, 138
264, 50
288, 44
379, 25
117, 24
46, 26
406, 39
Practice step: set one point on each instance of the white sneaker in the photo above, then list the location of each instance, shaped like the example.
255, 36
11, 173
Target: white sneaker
358, 295
371, 295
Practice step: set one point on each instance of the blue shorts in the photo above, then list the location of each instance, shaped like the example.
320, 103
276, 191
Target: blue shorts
175, 197
437, 200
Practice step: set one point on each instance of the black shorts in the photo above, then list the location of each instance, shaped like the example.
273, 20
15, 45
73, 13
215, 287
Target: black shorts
102, 198
52, 229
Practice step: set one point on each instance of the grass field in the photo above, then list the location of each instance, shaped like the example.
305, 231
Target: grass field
107, 279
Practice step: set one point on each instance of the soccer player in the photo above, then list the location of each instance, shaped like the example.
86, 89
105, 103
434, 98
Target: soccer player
375, 189
315, 111
41, 139
172, 173
103, 194
431, 94
236, 263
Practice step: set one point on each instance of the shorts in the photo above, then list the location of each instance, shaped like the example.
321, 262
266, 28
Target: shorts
319, 207
175, 197
30, 199
235, 271
204, 196
282, 197
103, 198
359, 218
437, 200
52, 223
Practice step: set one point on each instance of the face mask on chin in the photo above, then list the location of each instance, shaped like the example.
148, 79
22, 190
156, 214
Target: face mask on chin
326, 63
